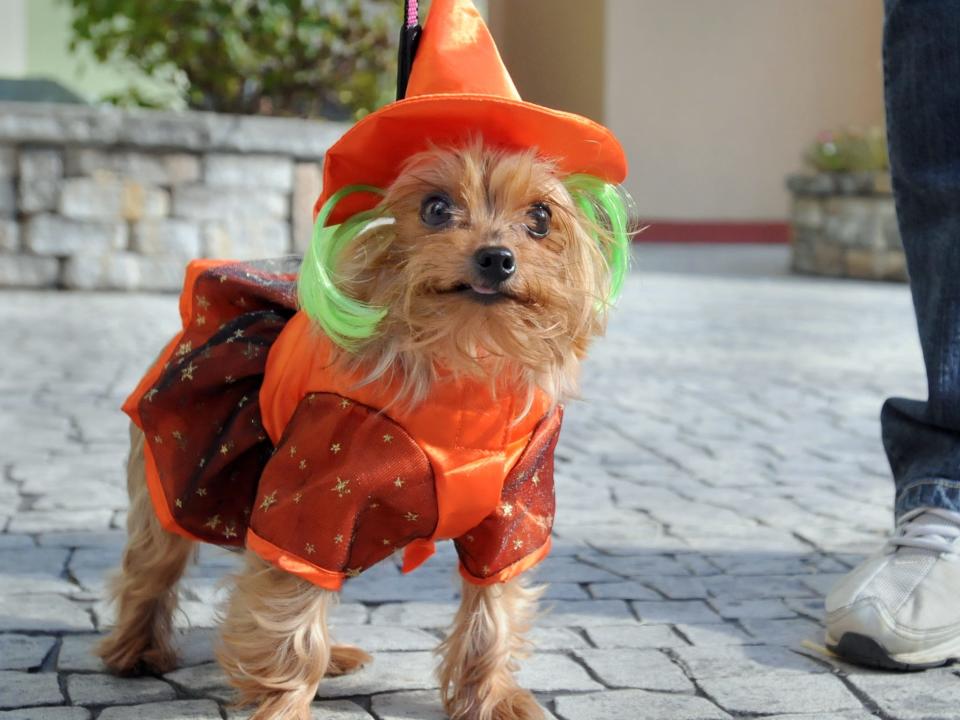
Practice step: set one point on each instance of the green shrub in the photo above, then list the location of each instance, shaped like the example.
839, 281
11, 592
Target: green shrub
331, 58
850, 150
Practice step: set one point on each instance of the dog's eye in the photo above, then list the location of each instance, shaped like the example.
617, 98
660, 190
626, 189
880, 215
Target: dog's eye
538, 220
436, 210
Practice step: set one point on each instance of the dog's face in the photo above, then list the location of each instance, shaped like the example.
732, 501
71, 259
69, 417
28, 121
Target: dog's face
487, 267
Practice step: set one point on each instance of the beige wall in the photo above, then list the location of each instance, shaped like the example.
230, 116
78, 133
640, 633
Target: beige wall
714, 100
554, 51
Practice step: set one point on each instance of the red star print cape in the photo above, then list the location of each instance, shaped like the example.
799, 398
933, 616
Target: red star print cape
254, 439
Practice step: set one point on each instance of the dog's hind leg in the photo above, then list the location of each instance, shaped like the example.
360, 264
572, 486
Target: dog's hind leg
479, 657
145, 589
275, 646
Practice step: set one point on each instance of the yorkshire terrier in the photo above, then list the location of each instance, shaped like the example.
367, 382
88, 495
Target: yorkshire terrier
489, 267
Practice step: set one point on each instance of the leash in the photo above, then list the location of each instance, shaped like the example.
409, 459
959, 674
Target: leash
409, 40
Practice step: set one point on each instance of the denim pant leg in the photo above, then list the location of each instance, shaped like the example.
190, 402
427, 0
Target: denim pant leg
922, 78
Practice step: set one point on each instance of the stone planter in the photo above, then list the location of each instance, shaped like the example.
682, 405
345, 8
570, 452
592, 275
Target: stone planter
845, 225
104, 198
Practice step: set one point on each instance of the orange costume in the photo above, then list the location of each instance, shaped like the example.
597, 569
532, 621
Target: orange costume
254, 439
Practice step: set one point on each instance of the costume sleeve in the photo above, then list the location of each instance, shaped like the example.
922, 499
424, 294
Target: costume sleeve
516, 536
346, 488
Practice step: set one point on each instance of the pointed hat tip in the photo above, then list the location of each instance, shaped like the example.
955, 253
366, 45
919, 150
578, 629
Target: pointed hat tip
457, 54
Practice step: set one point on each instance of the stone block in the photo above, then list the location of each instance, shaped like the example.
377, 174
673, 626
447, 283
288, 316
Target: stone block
807, 212
553, 672
246, 239
643, 669
33, 570
249, 171
772, 693
8, 161
41, 174
149, 168
161, 274
110, 690
106, 126
8, 197
142, 201
200, 202
122, 271
637, 704
913, 696
54, 235
23, 652
307, 184
106, 197
208, 679
634, 636
42, 521
891, 232
167, 237
863, 263
9, 235
389, 671
19, 689
28, 271
855, 221
801, 250
57, 712
176, 710
828, 257
92, 198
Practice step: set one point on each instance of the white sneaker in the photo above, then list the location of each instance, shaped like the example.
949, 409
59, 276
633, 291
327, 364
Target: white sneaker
900, 608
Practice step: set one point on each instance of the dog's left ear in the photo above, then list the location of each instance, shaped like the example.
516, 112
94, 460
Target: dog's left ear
605, 209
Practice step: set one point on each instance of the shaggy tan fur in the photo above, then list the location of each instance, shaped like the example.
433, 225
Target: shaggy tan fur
275, 646
479, 657
145, 590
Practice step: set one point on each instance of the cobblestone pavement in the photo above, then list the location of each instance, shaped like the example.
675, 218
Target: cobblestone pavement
722, 472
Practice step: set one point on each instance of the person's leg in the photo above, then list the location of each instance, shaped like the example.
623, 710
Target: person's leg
922, 72
898, 609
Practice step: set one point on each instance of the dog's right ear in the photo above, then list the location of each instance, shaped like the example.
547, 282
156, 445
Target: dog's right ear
605, 209
344, 319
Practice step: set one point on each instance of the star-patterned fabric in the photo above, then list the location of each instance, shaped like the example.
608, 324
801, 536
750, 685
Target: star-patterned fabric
345, 484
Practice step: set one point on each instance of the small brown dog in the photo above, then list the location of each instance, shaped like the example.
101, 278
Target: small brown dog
488, 267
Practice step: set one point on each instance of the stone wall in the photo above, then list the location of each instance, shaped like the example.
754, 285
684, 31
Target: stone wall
846, 226
99, 197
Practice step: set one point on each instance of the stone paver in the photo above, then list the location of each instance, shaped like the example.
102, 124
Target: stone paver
20, 689
176, 710
23, 652
723, 470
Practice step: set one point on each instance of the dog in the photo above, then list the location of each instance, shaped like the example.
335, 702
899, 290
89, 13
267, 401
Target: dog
488, 264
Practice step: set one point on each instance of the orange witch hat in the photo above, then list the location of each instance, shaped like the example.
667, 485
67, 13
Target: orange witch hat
460, 89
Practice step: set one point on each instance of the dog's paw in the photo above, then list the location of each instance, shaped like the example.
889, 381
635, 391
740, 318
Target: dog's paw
518, 705
135, 656
513, 704
345, 659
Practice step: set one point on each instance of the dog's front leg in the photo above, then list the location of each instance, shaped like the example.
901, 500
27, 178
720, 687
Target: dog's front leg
480, 655
275, 645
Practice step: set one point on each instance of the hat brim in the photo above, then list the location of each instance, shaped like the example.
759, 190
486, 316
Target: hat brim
374, 150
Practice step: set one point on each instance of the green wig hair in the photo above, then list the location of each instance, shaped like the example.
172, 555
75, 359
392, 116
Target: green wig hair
604, 205
348, 322
345, 320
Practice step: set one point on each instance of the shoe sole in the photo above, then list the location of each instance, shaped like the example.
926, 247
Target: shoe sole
864, 650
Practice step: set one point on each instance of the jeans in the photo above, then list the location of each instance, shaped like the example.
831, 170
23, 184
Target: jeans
921, 48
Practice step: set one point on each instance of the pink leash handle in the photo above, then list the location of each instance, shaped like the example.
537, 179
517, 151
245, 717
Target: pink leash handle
413, 13
409, 39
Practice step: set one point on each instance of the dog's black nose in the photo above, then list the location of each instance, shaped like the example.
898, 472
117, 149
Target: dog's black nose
495, 264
